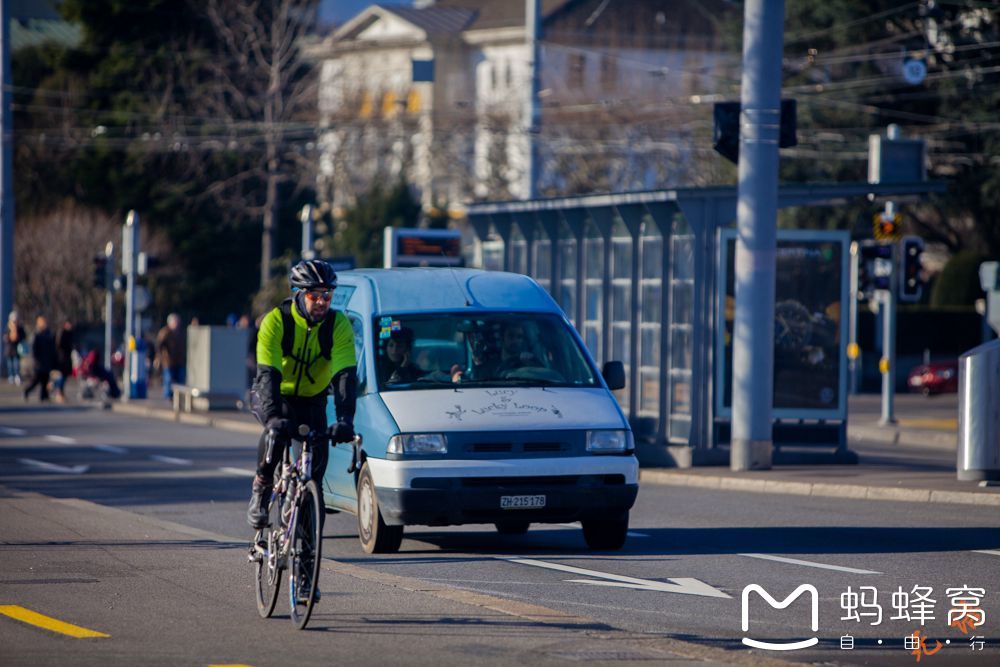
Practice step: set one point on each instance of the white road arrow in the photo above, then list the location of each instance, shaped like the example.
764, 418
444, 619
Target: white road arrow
683, 585
52, 467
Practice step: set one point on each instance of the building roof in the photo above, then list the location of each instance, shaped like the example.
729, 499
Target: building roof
435, 20
500, 13
34, 22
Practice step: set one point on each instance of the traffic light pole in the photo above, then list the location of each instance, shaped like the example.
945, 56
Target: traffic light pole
109, 301
852, 321
887, 365
130, 250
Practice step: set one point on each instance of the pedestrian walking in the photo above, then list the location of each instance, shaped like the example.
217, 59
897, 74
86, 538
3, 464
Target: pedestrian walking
14, 347
171, 353
43, 357
65, 343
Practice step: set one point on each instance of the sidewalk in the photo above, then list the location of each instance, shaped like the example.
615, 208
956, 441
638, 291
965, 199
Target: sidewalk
913, 461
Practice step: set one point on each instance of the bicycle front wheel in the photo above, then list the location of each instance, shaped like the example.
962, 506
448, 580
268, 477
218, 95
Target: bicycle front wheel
305, 554
267, 561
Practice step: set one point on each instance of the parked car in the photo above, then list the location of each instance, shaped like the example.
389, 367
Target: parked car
501, 415
937, 378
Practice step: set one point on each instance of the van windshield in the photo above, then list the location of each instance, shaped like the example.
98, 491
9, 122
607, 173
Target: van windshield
502, 350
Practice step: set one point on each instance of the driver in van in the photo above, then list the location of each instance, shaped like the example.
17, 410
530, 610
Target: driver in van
514, 353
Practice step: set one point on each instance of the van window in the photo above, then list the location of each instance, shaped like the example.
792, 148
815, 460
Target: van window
358, 326
504, 349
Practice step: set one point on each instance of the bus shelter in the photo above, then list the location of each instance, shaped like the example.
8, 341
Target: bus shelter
643, 278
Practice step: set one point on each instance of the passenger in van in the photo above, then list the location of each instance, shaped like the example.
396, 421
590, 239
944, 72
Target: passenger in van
397, 367
514, 354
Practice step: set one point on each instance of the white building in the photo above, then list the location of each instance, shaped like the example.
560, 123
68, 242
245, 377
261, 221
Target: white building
436, 94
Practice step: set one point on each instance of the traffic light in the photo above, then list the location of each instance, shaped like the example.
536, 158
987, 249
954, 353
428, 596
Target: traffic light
887, 227
910, 283
100, 271
726, 132
874, 266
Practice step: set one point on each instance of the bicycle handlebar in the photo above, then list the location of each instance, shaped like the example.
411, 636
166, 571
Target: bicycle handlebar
311, 437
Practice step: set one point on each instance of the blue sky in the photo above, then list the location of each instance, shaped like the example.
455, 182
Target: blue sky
341, 10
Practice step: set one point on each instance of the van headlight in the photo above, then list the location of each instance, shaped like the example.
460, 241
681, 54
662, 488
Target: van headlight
418, 443
609, 442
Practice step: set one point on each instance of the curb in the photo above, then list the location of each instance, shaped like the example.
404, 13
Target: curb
187, 418
894, 435
819, 489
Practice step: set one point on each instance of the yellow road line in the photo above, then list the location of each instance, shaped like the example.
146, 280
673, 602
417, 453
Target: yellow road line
47, 622
942, 424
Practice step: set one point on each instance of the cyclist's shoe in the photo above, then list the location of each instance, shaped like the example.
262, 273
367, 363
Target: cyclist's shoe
304, 592
259, 500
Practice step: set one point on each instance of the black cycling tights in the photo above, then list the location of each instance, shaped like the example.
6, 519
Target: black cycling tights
311, 411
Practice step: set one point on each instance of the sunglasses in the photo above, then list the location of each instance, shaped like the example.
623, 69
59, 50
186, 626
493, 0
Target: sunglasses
325, 295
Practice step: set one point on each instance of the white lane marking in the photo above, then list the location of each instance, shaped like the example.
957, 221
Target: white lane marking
242, 472
52, 467
683, 585
61, 439
111, 449
171, 460
988, 552
12, 431
806, 563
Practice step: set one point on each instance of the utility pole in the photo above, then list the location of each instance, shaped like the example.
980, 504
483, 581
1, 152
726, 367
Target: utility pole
307, 232
757, 209
6, 170
532, 112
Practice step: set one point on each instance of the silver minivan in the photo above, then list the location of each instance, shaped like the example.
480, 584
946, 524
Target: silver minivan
477, 403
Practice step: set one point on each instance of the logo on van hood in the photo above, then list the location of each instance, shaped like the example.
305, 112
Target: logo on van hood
431, 410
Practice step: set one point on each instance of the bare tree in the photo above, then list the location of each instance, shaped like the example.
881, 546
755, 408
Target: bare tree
54, 271
265, 96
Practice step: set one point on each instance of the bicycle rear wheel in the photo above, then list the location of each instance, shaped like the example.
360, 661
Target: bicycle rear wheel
304, 555
267, 563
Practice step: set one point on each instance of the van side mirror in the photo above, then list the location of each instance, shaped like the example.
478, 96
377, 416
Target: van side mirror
614, 375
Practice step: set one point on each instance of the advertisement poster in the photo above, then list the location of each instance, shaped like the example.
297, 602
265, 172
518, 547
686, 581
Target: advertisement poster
809, 334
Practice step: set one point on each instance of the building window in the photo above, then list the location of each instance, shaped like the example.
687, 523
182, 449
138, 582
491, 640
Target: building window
509, 76
366, 105
609, 73
577, 65
413, 102
493, 76
389, 104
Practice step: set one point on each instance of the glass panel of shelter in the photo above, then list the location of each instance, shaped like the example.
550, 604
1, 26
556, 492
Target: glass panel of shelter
650, 286
593, 269
680, 327
621, 306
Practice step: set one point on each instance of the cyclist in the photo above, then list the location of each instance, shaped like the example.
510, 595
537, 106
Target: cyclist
305, 351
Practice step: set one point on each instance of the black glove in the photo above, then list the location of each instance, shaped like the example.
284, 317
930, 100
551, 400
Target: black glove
342, 432
277, 427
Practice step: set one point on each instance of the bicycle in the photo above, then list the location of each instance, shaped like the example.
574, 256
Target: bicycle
293, 538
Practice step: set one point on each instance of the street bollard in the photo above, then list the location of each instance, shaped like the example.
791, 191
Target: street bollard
979, 413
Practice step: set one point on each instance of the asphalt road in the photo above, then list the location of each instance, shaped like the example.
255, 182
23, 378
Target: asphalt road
146, 543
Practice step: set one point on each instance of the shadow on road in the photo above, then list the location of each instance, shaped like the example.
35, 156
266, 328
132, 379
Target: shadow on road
700, 541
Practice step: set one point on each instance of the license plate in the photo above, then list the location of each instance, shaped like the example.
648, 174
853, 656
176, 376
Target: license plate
521, 502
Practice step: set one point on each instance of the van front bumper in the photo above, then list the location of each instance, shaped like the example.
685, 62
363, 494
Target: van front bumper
581, 488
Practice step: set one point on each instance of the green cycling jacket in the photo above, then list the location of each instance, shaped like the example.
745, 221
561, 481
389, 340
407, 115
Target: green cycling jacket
305, 372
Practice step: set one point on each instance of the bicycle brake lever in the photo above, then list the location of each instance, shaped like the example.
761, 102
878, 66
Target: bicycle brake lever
355, 447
